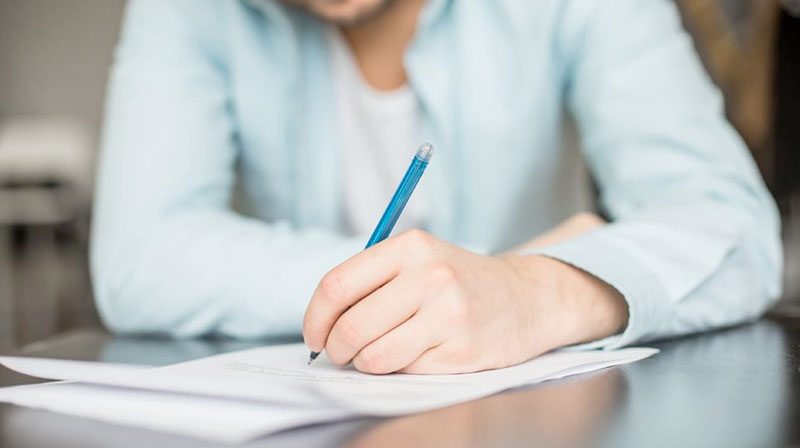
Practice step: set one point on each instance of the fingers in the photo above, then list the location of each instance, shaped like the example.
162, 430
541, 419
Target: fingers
399, 347
357, 278
344, 286
371, 318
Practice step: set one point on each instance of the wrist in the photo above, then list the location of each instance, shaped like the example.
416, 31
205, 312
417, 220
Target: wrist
583, 307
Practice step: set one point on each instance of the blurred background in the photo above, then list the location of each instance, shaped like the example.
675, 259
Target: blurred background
54, 60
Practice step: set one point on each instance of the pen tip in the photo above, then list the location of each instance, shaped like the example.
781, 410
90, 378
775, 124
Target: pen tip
312, 357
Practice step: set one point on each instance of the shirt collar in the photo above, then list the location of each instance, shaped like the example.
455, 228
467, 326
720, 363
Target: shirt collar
434, 9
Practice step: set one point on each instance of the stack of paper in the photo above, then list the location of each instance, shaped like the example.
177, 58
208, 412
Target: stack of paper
235, 397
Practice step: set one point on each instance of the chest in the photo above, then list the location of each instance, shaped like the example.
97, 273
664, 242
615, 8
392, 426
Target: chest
490, 99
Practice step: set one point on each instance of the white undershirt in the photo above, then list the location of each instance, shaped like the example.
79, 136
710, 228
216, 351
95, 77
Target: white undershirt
378, 135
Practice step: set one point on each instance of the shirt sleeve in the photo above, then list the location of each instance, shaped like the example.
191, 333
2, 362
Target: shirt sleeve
694, 238
168, 253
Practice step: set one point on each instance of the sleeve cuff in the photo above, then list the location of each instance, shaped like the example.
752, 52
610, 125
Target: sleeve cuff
607, 258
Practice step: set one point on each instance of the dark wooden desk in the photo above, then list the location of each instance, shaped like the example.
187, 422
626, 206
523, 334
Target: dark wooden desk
734, 388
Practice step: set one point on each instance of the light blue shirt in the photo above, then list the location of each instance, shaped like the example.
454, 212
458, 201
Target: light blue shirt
211, 96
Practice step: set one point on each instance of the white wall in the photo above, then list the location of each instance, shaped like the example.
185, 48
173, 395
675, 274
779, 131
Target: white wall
54, 60
55, 55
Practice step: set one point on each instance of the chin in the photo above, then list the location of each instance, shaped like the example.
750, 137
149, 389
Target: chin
345, 11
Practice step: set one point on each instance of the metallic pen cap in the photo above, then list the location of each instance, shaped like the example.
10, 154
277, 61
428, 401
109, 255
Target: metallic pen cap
425, 152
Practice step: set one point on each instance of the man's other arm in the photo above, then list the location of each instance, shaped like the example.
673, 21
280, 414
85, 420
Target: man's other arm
694, 241
168, 255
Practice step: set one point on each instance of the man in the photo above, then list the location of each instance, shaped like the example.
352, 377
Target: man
314, 109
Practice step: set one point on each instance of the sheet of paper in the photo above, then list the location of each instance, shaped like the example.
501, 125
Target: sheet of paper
278, 377
280, 374
213, 419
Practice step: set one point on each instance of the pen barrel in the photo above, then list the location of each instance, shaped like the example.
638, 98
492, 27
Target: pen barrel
399, 200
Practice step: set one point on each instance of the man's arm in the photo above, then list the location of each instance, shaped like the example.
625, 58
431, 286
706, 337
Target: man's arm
693, 243
168, 253
694, 239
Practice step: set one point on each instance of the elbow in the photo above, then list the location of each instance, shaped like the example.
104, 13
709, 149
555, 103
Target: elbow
760, 249
117, 313
773, 272
770, 252
125, 308
750, 279
765, 267
114, 317
136, 293
124, 303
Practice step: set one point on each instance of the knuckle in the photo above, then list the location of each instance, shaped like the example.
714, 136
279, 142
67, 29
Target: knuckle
336, 356
463, 357
349, 331
442, 273
458, 310
371, 360
419, 238
331, 286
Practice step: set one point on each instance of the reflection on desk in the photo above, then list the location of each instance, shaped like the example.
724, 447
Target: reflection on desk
734, 388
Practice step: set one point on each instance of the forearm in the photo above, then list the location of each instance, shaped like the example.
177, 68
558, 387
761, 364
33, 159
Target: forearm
210, 272
682, 269
687, 206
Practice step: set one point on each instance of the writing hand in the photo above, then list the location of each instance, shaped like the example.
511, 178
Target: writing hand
416, 304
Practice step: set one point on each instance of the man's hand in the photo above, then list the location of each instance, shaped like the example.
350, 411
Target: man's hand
416, 304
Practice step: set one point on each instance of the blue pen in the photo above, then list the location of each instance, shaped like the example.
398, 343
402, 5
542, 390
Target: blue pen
398, 202
402, 195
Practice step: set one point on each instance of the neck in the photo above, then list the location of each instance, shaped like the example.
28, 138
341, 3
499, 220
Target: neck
380, 42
